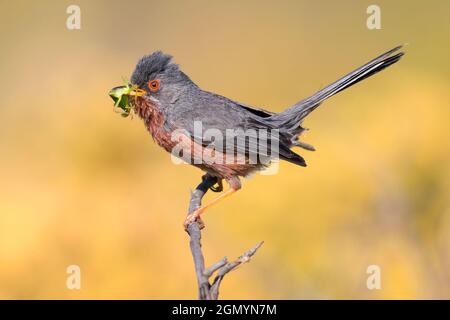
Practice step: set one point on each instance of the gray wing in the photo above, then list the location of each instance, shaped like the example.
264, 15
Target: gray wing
212, 119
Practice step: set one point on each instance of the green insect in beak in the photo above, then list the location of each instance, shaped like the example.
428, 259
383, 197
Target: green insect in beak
121, 96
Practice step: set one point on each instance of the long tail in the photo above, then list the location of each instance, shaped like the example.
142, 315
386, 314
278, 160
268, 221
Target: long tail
292, 117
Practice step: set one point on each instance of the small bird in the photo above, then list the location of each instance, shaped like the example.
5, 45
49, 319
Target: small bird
169, 102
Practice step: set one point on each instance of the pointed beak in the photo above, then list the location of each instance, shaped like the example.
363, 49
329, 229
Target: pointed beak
121, 96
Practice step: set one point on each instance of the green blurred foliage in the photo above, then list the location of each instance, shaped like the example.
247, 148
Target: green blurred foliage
81, 185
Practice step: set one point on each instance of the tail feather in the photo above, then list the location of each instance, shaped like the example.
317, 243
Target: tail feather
292, 117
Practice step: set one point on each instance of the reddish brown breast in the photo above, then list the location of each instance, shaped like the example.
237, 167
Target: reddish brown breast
154, 122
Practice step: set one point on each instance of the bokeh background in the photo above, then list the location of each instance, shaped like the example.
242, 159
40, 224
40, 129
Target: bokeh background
81, 185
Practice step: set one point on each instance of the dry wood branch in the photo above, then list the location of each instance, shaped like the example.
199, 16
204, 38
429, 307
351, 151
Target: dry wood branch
206, 290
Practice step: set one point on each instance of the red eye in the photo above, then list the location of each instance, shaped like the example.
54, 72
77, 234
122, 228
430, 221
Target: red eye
153, 85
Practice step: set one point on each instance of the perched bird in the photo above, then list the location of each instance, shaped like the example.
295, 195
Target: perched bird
169, 102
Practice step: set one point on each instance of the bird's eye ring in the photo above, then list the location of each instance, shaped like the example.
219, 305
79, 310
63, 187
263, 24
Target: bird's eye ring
153, 85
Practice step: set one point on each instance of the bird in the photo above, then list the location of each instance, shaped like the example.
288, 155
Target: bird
169, 102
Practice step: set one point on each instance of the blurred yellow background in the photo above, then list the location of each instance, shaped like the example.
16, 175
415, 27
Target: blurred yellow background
81, 185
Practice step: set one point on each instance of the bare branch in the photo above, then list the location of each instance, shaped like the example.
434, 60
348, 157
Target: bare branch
207, 291
230, 267
196, 236
216, 266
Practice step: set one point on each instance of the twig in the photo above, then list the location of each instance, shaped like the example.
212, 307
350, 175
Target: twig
206, 290
230, 267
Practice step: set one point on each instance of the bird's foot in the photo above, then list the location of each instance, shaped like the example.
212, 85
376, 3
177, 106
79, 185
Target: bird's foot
194, 217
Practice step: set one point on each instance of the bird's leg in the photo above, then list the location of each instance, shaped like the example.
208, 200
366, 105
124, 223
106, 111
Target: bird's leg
196, 214
235, 185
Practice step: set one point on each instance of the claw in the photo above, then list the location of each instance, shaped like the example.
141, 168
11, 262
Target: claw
194, 217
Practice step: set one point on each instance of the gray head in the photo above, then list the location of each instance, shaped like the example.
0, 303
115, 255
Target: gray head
155, 77
159, 76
